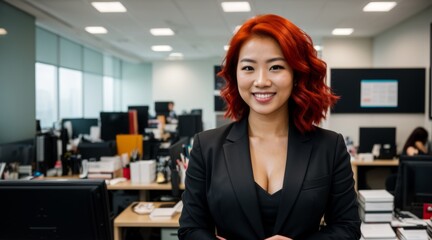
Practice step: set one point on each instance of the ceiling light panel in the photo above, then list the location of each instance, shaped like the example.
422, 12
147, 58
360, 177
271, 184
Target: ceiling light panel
107, 7
161, 31
3, 31
379, 6
342, 31
161, 48
96, 30
175, 56
236, 6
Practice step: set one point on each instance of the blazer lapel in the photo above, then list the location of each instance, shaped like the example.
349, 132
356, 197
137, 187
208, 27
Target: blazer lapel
299, 150
237, 158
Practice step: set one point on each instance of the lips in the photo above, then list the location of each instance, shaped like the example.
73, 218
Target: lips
263, 97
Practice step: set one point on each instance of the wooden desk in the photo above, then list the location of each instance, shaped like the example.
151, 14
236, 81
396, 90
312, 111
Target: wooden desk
143, 188
377, 163
128, 218
127, 185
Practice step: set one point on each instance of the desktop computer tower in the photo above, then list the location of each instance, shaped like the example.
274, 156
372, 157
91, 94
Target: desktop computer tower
46, 152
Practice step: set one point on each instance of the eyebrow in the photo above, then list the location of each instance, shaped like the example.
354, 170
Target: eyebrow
267, 61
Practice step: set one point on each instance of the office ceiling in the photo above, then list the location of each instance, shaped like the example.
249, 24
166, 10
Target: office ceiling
201, 27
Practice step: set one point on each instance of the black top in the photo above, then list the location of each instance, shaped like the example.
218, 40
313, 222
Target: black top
269, 206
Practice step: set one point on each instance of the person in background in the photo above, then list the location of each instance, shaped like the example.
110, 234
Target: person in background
272, 173
416, 144
172, 116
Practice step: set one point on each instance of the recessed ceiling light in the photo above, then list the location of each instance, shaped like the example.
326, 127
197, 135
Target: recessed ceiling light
161, 31
236, 6
109, 6
3, 31
379, 6
342, 31
175, 56
96, 30
161, 48
226, 47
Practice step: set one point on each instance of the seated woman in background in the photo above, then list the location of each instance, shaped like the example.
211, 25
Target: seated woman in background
416, 142
414, 145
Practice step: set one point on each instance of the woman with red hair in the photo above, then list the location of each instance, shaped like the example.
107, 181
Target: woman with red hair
272, 173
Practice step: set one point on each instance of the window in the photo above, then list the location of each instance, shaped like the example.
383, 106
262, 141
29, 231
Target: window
93, 95
108, 94
71, 93
46, 94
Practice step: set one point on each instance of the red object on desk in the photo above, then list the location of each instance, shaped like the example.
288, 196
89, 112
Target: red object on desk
427, 211
126, 173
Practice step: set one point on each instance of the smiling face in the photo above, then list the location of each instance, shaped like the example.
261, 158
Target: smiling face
265, 80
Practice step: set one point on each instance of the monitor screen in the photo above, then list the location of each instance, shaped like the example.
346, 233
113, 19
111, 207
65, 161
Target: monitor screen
113, 123
96, 150
189, 124
413, 186
43, 209
81, 125
162, 108
143, 116
22, 153
375, 135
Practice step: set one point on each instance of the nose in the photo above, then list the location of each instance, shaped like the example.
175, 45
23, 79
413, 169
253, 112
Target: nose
262, 79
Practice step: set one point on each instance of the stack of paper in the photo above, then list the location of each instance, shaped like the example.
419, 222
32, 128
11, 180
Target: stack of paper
143, 171
375, 205
162, 213
377, 231
106, 168
412, 234
429, 228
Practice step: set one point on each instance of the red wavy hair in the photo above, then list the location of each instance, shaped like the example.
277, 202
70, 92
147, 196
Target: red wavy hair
310, 98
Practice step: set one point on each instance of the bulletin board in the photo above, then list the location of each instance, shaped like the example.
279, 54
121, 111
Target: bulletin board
379, 90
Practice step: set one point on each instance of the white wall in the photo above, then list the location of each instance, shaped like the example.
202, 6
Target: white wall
408, 45
405, 45
137, 85
190, 84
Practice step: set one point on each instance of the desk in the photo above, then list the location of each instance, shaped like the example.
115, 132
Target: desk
377, 163
142, 187
127, 185
130, 219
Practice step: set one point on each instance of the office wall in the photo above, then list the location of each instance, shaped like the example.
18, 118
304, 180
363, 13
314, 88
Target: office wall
408, 44
190, 84
405, 45
17, 75
137, 85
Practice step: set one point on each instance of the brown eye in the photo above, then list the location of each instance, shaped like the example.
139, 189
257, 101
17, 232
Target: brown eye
247, 68
276, 67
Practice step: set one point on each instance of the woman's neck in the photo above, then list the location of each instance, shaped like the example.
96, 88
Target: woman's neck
266, 126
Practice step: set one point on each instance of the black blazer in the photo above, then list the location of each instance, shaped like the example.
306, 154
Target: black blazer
220, 196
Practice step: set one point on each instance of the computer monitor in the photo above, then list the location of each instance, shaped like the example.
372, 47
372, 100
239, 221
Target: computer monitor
23, 153
143, 116
54, 209
377, 135
162, 108
196, 111
81, 125
113, 123
189, 124
96, 150
413, 184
